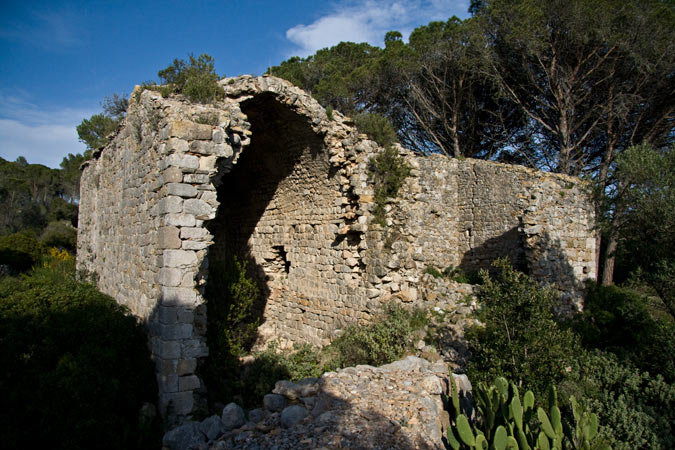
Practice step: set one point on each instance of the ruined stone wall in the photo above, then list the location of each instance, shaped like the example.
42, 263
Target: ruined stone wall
466, 213
267, 177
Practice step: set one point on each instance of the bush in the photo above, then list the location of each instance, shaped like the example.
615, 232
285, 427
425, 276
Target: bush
636, 410
383, 341
60, 234
377, 127
232, 324
389, 171
617, 320
76, 367
520, 339
21, 251
196, 79
270, 366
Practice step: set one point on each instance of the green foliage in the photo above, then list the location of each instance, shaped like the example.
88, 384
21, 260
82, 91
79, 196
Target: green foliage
507, 421
21, 251
232, 323
389, 171
635, 410
383, 341
434, 272
32, 194
116, 105
341, 76
195, 78
520, 339
377, 127
76, 367
95, 131
61, 234
455, 274
617, 320
640, 213
329, 112
270, 366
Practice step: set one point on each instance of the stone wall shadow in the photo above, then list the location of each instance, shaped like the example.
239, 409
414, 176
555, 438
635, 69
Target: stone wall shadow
510, 244
537, 254
279, 138
247, 190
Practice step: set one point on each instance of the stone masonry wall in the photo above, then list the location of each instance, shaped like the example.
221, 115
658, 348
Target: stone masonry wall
465, 213
266, 176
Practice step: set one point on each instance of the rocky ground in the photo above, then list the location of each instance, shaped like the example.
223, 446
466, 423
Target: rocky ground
396, 406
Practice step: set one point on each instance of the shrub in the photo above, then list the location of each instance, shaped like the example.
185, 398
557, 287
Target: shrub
20, 251
76, 367
196, 79
389, 171
232, 324
520, 339
377, 127
61, 234
617, 320
636, 410
434, 272
270, 366
383, 341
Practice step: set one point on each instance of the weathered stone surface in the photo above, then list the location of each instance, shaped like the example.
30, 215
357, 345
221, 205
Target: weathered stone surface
190, 130
179, 258
212, 428
168, 237
233, 416
170, 277
274, 402
181, 190
400, 406
256, 415
184, 437
199, 208
292, 415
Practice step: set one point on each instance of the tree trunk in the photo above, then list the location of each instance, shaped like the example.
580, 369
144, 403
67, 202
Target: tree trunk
608, 269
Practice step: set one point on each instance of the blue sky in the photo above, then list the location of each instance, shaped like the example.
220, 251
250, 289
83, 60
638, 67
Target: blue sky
59, 59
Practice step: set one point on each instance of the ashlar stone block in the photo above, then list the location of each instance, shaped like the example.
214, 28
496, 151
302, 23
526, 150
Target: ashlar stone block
188, 383
181, 190
178, 220
179, 258
199, 208
170, 204
168, 238
178, 296
170, 277
189, 130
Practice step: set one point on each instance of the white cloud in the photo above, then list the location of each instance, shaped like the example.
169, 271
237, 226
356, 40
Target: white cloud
42, 136
39, 144
368, 21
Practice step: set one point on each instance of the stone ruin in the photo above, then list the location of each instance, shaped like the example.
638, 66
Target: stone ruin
267, 176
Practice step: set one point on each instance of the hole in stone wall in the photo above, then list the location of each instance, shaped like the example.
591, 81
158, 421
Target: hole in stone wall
280, 260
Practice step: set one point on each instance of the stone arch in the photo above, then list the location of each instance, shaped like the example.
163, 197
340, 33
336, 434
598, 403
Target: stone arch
280, 195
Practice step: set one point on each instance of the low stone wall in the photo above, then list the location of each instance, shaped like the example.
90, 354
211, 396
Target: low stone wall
398, 405
267, 177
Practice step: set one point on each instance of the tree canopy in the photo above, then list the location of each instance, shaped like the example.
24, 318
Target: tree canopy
564, 86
